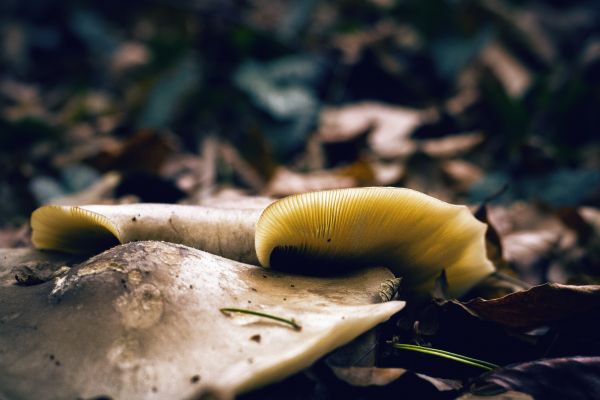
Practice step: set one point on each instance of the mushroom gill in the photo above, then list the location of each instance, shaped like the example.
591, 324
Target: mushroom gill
413, 234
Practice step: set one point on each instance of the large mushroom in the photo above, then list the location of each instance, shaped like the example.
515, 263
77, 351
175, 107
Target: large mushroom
143, 321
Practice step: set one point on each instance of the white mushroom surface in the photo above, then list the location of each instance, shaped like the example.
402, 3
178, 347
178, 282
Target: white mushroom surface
228, 232
143, 321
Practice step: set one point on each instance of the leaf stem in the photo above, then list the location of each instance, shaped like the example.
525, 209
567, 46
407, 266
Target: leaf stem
290, 322
446, 354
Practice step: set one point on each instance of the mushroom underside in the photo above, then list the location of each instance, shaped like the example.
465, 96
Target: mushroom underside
413, 234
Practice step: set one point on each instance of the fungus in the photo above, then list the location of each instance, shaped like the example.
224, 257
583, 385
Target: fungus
415, 235
89, 229
87, 335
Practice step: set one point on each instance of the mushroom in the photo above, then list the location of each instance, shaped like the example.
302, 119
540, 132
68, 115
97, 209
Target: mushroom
228, 232
143, 321
415, 235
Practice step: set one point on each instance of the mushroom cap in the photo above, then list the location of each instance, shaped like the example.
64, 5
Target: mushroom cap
415, 235
143, 321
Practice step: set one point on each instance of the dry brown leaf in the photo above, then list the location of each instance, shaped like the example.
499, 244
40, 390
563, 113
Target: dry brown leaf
537, 306
463, 174
368, 376
388, 174
389, 127
286, 182
513, 75
574, 378
527, 249
100, 192
129, 55
451, 146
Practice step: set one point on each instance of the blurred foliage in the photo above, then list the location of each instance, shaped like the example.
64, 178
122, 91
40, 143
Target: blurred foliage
81, 78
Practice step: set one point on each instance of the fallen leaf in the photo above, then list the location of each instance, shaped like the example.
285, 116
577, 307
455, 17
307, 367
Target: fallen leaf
494, 393
367, 376
557, 378
286, 182
537, 306
513, 75
389, 126
462, 174
146, 151
129, 55
451, 146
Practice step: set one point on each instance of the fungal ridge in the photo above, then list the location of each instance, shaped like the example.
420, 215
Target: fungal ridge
72, 230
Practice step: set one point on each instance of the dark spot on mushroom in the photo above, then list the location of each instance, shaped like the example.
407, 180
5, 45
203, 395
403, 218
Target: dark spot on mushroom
124, 283
264, 276
298, 260
57, 363
133, 219
328, 240
51, 356
255, 338
154, 389
250, 360
285, 298
195, 379
254, 290
191, 286
292, 285
249, 301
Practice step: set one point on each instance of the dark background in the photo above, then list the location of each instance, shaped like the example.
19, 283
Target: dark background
184, 99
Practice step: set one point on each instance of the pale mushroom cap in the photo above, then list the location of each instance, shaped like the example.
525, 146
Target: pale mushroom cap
415, 235
143, 321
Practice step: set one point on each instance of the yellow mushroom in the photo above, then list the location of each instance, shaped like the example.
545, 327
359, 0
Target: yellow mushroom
415, 235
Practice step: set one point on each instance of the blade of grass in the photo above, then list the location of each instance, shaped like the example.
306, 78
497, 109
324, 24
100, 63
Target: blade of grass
448, 355
290, 322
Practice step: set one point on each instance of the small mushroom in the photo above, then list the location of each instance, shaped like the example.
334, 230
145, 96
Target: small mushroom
415, 235
143, 321
89, 229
